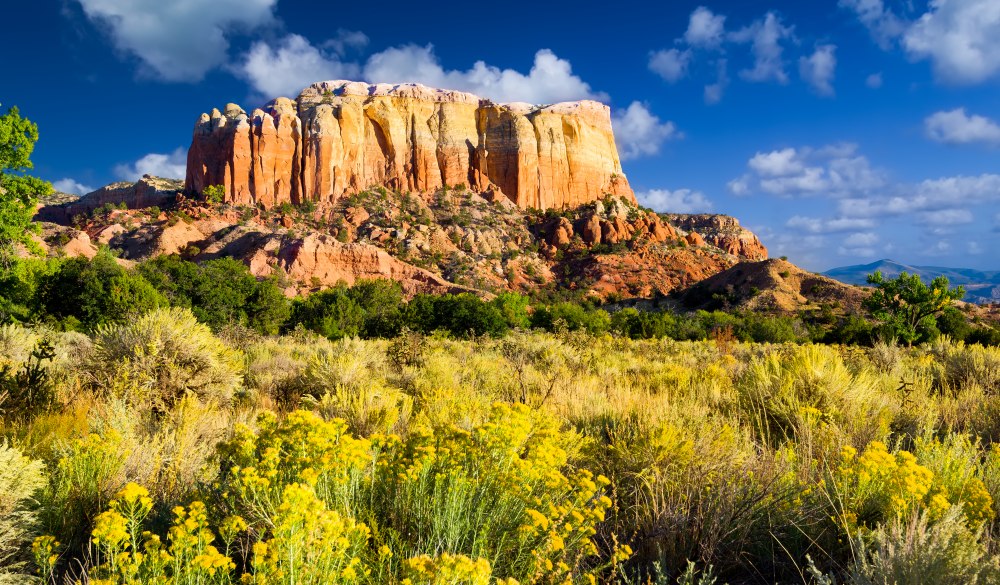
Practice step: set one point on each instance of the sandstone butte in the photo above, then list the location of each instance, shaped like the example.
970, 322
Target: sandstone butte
342, 137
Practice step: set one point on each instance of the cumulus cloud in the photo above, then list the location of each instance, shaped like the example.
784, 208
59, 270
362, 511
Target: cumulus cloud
71, 186
946, 217
835, 170
638, 132
171, 166
861, 244
290, 65
931, 195
740, 186
883, 24
960, 37
714, 91
293, 63
874, 81
958, 127
179, 40
549, 80
670, 64
765, 37
705, 29
676, 201
346, 40
816, 225
777, 163
819, 68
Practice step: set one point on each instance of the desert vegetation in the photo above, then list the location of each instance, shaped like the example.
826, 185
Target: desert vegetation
154, 450
186, 423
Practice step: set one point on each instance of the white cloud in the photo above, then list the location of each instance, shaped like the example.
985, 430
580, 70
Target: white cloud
670, 64
776, 163
957, 127
974, 248
705, 29
819, 68
740, 186
835, 170
861, 244
640, 133
550, 79
940, 248
71, 186
861, 239
169, 166
676, 201
294, 63
291, 65
960, 37
177, 40
713, 92
932, 195
815, 225
346, 40
946, 217
765, 37
874, 81
884, 25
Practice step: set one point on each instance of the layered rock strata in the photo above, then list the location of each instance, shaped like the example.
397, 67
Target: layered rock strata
341, 137
722, 231
148, 191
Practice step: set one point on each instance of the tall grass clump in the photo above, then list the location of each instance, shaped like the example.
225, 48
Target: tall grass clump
20, 480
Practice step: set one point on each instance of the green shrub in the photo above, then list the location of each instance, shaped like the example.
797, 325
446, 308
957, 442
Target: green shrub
332, 313
214, 193
161, 357
18, 287
461, 315
20, 480
572, 317
913, 550
449, 491
96, 292
219, 292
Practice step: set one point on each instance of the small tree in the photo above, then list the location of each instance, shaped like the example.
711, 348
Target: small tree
18, 192
905, 305
214, 193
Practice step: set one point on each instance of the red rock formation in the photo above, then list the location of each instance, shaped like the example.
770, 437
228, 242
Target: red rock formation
723, 232
343, 137
148, 191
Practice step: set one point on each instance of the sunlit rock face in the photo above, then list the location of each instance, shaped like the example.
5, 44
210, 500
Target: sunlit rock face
342, 137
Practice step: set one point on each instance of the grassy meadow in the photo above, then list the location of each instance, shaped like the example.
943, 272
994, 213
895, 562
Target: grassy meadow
156, 451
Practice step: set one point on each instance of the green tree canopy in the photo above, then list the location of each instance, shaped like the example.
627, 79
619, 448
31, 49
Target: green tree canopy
905, 305
86, 294
18, 192
219, 292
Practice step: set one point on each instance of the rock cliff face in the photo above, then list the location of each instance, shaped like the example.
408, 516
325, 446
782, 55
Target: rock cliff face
723, 232
343, 137
148, 191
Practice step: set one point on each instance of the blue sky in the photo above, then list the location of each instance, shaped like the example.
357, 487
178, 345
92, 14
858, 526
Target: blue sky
840, 131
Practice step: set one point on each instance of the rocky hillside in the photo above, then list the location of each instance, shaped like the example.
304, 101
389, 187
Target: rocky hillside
340, 138
452, 239
772, 286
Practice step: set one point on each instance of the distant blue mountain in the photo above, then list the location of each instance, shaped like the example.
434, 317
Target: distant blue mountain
980, 286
